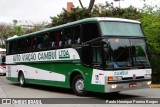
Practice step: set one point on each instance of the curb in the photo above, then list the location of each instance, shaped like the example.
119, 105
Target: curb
155, 86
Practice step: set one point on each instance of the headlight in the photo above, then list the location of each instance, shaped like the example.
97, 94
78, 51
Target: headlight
113, 86
114, 78
147, 76
149, 83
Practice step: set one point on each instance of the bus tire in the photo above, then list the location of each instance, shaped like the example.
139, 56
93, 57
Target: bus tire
78, 85
21, 80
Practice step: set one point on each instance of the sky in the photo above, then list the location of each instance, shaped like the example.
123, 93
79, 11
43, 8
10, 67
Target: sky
42, 10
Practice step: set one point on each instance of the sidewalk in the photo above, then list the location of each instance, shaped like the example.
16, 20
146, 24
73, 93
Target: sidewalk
155, 86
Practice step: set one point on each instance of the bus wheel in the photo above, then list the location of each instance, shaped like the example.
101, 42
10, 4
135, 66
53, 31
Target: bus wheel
78, 85
21, 80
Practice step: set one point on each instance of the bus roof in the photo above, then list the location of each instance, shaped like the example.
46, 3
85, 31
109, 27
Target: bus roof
93, 19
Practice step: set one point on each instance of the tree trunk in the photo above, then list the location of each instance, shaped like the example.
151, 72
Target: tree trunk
90, 4
81, 3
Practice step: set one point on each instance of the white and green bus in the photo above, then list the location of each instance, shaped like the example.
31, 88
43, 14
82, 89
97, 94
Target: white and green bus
94, 54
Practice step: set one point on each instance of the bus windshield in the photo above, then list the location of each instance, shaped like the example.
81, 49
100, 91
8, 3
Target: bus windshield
120, 29
123, 53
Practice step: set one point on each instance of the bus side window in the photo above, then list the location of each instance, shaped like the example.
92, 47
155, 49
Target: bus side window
31, 43
12, 47
67, 36
86, 55
62, 39
76, 32
57, 38
21, 45
8, 48
45, 40
96, 53
52, 43
90, 31
39, 42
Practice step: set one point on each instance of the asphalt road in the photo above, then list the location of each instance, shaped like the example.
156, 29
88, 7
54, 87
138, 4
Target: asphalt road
10, 89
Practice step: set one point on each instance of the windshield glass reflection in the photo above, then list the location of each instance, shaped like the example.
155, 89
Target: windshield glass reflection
123, 53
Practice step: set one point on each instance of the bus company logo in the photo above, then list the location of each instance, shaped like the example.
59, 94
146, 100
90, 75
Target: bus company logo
134, 76
97, 77
64, 54
6, 101
121, 73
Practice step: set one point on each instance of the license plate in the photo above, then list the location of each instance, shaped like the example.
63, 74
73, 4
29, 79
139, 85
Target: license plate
131, 85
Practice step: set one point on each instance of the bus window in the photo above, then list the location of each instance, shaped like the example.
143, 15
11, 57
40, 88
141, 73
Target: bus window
12, 47
31, 43
58, 39
39, 42
21, 45
7, 50
90, 31
76, 34
42, 41
72, 35
86, 55
67, 36
52, 43
96, 53
45, 40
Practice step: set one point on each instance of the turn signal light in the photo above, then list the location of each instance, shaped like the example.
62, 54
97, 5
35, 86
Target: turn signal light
110, 78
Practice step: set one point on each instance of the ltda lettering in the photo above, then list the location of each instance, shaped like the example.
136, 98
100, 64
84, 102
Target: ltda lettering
121, 73
64, 54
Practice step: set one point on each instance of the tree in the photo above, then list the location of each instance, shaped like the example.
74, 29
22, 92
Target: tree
151, 25
4, 28
74, 15
36, 27
17, 30
15, 22
103, 11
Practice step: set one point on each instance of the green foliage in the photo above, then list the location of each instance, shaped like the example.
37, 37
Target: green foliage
151, 25
4, 28
66, 17
16, 30
102, 11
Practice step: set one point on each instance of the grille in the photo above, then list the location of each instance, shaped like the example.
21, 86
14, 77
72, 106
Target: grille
131, 78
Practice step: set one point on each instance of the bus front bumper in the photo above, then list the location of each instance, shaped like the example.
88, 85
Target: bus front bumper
117, 86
